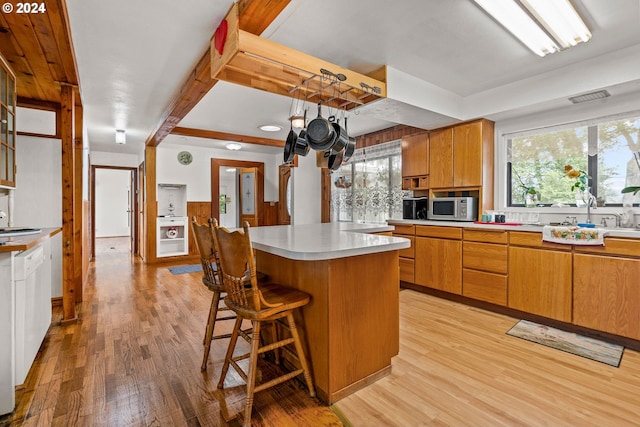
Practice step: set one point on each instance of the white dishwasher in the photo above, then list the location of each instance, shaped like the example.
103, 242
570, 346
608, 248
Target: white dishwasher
32, 307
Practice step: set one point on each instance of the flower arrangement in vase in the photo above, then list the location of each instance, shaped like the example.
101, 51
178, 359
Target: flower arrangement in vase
581, 185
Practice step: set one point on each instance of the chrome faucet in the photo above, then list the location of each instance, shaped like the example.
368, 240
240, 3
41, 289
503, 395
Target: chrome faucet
612, 216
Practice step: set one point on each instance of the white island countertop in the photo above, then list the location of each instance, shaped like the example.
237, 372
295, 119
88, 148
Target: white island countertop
313, 242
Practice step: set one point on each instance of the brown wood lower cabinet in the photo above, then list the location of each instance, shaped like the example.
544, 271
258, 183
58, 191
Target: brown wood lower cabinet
438, 263
484, 262
606, 294
540, 282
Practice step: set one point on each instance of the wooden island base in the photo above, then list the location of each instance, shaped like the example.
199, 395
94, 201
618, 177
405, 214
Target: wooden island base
351, 327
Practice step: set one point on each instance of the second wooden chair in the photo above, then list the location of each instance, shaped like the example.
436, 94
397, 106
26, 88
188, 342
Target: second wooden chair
258, 303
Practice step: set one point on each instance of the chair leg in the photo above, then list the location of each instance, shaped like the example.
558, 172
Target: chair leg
229, 355
208, 334
301, 354
251, 375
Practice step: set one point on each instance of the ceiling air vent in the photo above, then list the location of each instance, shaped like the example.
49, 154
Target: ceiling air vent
589, 96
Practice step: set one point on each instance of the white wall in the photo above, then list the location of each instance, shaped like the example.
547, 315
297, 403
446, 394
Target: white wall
38, 194
103, 158
306, 191
112, 202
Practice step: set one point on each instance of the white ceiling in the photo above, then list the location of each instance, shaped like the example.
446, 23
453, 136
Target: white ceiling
447, 60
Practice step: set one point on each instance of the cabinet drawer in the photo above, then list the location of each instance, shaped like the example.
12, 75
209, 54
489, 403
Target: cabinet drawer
486, 236
439, 232
485, 256
409, 229
614, 246
407, 270
534, 240
408, 252
483, 286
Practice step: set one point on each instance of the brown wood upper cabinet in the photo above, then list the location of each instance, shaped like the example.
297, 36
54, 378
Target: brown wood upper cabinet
7, 125
415, 155
461, 156
441, 158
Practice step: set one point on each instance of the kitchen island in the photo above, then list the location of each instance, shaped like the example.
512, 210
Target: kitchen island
350, 328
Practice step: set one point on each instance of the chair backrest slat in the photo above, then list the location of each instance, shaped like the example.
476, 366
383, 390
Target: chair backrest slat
205, 243
237, 266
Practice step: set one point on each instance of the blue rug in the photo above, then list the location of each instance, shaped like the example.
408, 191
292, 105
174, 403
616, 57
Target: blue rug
570, 342
181, 269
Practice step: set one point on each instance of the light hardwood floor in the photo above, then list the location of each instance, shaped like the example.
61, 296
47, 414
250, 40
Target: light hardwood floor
457, 367
134, 360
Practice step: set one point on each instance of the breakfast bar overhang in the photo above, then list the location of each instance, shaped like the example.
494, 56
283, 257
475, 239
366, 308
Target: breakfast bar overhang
351, 326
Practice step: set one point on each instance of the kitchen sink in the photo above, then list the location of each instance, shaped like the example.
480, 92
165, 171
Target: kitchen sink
8, 232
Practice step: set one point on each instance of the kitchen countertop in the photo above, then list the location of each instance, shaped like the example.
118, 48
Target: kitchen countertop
27, 241
633, 233
311, 242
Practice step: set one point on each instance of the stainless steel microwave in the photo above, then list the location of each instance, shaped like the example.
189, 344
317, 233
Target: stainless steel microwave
453, 208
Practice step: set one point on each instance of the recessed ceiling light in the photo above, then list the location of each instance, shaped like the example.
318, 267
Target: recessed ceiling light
270, 128
233, 146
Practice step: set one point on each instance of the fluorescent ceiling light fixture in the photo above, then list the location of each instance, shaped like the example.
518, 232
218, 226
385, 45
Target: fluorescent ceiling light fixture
544, 26
230, 170
560, 19
233, 146
121, 137
270, 128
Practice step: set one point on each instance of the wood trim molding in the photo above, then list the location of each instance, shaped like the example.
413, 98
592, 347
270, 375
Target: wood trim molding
255, 16
211, 134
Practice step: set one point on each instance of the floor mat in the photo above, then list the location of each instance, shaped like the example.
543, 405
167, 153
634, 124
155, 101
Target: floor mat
570, 342
181, 269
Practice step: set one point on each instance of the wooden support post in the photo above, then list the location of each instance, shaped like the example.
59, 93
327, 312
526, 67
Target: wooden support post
67, 133
151, 208
79, 220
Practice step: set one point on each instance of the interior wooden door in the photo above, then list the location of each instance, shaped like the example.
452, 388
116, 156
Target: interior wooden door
250, 200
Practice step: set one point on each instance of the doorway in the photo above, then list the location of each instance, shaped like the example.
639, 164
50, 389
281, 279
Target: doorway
253, 208
114, 203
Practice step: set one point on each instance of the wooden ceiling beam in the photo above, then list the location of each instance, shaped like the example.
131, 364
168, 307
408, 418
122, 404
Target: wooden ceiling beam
211, 134
255, 17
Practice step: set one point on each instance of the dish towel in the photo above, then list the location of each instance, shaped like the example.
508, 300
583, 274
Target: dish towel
573, 235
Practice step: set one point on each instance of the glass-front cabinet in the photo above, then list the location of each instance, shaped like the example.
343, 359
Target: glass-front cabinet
7, 125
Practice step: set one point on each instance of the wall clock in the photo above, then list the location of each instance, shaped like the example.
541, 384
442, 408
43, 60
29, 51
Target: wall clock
185, 157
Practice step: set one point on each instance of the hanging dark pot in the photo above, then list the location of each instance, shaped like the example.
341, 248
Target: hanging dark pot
289, 146
335, 159
320, 133
351, 144
302, 146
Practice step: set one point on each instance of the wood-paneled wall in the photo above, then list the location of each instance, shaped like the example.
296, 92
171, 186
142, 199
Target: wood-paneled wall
386, 135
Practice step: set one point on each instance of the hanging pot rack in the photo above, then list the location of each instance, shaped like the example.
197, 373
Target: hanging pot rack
252, 61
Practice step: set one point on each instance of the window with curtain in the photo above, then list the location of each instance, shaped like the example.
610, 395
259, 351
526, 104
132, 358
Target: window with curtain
608, 150
369, 187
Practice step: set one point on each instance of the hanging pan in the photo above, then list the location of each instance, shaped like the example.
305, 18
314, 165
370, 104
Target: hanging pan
320, 133
289, 146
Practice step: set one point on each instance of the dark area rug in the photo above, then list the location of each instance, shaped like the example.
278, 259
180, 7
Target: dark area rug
590, 348
181, 269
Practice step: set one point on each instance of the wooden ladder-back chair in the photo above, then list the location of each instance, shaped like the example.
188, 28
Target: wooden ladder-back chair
211, 278
258, 303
